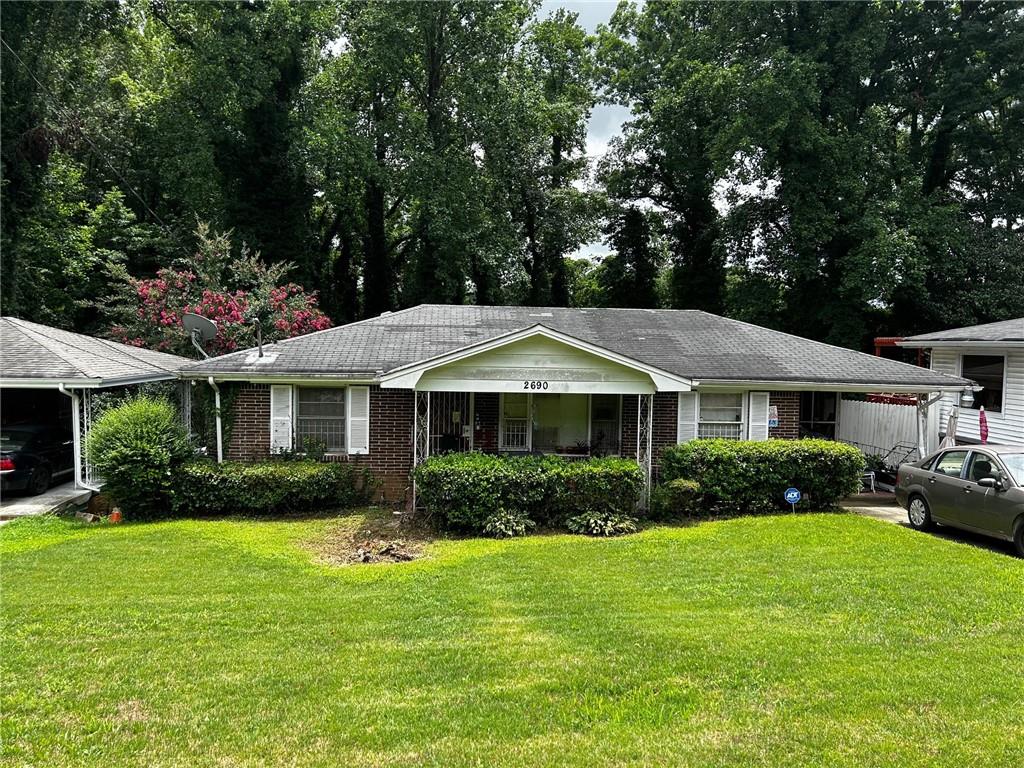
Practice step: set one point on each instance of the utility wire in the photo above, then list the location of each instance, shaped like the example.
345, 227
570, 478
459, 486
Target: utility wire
99, 153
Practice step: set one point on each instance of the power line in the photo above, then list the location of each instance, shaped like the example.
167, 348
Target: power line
68, 117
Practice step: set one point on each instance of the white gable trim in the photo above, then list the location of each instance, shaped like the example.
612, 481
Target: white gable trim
407, 377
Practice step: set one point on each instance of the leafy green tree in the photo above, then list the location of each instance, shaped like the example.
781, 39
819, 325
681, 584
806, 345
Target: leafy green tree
629, 275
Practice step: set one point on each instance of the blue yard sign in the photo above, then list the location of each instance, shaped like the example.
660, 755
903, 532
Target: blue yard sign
792, 496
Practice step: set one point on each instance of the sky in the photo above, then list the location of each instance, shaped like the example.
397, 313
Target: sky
605, 120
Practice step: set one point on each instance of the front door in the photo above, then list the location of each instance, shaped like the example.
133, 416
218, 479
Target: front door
945, 489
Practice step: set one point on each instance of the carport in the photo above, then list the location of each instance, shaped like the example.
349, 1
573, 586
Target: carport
49, 376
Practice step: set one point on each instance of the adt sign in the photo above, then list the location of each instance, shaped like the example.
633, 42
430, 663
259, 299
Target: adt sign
792, 495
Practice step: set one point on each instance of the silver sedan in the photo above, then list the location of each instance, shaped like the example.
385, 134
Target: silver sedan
976, 488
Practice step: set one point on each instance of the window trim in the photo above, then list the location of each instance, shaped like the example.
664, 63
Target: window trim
1002, 400
744, 422
528, 448
296, 446
812, 421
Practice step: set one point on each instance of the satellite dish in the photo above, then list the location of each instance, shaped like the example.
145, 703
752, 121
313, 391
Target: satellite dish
199, 329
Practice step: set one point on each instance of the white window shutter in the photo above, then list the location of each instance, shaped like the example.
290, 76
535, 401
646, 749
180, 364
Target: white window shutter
357, 418
280, 418
687, 426
758, 415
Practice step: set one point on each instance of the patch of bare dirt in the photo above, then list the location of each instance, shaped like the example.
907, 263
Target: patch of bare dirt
382, 538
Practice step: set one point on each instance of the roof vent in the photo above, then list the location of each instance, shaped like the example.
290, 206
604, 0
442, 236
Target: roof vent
256, 358
540, 314
385, 312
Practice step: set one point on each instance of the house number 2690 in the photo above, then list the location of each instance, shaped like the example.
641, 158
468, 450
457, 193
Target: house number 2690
535, 385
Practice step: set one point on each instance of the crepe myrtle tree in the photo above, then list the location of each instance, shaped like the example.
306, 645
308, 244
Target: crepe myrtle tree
238, 293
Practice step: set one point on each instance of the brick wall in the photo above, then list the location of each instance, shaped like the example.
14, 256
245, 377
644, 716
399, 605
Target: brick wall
664, 427
390, 456
249, 438
485, 430
788, 404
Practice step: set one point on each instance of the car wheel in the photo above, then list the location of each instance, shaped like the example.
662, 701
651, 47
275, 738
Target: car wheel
919, 514
39, 480
1018, 538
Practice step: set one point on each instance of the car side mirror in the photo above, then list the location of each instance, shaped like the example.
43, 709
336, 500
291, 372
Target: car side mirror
991, 482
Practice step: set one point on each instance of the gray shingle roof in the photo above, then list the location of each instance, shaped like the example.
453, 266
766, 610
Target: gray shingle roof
689, 343
1005, 330
34, 351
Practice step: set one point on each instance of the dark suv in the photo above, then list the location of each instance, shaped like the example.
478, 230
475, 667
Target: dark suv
32, 456
978, 488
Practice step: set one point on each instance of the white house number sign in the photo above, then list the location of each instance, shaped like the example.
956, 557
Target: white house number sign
535, 385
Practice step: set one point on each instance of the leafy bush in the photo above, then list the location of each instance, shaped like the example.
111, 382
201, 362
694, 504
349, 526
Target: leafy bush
464, 489
138, 448
740, 476
207, 488
507, 523
601, 524
679, 497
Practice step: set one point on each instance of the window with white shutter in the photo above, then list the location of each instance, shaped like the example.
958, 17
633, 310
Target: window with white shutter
687, 427
758, 416
280, 418
358, 420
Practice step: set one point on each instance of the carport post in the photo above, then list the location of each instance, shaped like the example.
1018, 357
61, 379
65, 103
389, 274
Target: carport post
76, 433
923, 405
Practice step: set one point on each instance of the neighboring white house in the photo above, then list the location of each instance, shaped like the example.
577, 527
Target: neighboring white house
992, 355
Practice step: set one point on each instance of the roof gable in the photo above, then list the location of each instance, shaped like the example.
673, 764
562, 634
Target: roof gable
539, 355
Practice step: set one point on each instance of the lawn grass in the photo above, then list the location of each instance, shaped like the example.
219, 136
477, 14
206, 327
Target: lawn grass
778, 641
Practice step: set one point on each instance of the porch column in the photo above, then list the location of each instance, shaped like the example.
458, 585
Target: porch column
644, 420
420, 435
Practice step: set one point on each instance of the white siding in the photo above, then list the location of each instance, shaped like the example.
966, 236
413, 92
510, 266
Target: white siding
558, 366
1005, 427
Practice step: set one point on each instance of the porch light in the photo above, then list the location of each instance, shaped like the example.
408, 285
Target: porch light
967, 397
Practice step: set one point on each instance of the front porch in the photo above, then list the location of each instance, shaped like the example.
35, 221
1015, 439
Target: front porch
573, 425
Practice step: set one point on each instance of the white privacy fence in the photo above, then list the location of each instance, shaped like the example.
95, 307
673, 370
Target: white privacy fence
885, 429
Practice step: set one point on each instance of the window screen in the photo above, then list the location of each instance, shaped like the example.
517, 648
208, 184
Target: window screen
721, 415
515, 422
321, 417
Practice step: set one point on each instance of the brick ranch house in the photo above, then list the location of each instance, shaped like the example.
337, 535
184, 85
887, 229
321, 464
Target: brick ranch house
389, 391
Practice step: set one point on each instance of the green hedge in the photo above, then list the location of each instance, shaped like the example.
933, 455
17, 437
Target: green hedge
463, 490
207, 488
138, 448
742, 476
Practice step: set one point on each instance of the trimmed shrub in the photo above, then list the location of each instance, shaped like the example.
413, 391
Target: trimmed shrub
601, 524
743, 476
208, 488
138, 448
463, 490
507, 523
676, 498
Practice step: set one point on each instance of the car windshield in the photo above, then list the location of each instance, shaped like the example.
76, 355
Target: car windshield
1015, 464
15, 439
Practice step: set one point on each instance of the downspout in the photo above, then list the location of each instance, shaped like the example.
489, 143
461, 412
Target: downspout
216, 409
76, 432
